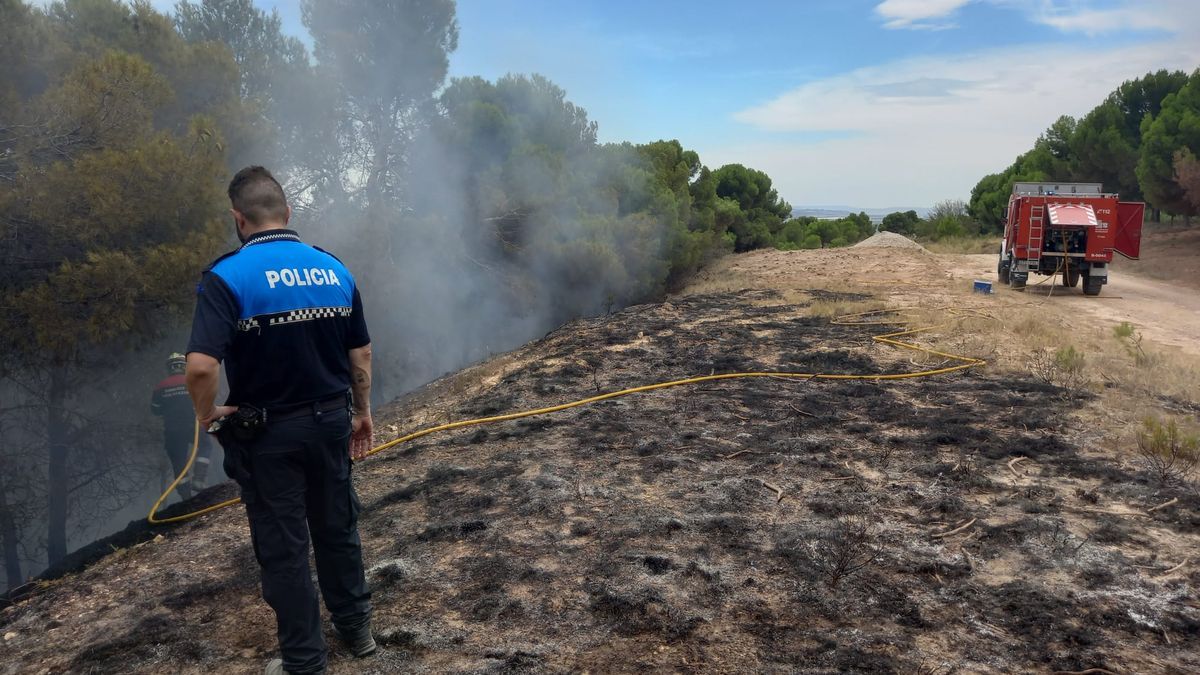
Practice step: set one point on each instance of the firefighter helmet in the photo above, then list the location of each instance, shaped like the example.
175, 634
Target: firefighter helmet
176, 363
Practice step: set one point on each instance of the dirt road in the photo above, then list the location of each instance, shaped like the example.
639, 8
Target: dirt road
1163, 312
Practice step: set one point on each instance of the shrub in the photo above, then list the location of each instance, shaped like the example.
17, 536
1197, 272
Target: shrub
1069, 359
1064, 367
1170, 454
1132, 341
843, 548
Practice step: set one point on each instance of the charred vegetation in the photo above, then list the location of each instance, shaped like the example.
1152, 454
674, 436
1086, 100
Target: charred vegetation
754, 525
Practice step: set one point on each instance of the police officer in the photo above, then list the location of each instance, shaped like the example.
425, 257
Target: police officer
286, 319
170, 402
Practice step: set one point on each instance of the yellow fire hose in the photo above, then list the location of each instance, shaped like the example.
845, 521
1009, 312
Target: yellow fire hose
859, 319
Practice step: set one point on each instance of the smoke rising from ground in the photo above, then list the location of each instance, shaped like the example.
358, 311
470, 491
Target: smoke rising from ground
475, 215
509, 220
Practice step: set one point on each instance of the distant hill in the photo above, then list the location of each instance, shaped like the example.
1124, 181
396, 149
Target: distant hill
831, 212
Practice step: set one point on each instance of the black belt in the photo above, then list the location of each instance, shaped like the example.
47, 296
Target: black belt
314, 408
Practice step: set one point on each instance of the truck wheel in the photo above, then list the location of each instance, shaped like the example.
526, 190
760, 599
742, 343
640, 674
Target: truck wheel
1002, 271
1071, 278
1091, 286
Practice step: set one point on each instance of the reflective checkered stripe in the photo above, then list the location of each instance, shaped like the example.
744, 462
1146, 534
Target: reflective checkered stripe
294, 316
281, 236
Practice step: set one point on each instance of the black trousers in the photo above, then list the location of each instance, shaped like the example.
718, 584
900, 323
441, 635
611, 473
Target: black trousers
295, 481
177, 442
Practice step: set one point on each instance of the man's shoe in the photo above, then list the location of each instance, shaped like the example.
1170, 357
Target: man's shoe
275, 667
360, 642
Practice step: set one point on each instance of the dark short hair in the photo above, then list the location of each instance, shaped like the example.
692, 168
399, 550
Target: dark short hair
256, 194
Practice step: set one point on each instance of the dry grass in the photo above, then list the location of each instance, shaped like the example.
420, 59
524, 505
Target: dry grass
1150, 371
964, 245
736, 526
829, 309
1115, 389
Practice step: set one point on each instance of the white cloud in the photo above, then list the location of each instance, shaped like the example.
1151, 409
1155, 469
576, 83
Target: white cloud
917, 14
1164, 15
1081, 16
925, 129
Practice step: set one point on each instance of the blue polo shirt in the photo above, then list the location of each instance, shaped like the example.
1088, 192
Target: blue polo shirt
283, 316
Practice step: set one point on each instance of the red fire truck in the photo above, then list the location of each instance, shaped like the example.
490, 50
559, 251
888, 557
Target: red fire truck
1069, 229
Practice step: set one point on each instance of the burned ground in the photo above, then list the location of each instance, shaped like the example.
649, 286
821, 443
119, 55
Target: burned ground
751, 525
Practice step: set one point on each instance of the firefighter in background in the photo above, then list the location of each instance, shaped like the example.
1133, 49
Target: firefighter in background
171, 402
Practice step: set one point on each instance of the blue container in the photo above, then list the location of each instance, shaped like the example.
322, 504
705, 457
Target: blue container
983, 286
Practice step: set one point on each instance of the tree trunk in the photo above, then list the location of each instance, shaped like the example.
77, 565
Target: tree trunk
380, 163
58, 488
8, 537
378, 198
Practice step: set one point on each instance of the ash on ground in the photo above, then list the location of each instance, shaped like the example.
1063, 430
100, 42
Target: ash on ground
751, 526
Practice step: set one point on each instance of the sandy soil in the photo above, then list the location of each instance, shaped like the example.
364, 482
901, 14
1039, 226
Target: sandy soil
1162, 310
1170, 253
748, 526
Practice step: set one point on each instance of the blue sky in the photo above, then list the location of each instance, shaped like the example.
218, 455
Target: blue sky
864, 103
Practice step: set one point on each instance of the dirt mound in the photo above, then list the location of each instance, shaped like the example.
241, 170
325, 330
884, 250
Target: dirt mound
888, 240
760, 526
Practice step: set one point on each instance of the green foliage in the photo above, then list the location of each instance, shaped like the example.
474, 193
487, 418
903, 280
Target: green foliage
1170, 453
1065, 367
970, 244
1121, 144
989, 198
254, 38
1187, 175
1052, 151
1175, 128
275, 79
112, 159
96, 187
1144, 96
651, 214
761, 208
948, 219
691, 236
1131, 339
901, 223
1069, 360
807, 232
23, 59
1104, 153
547, 197
1106, 142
